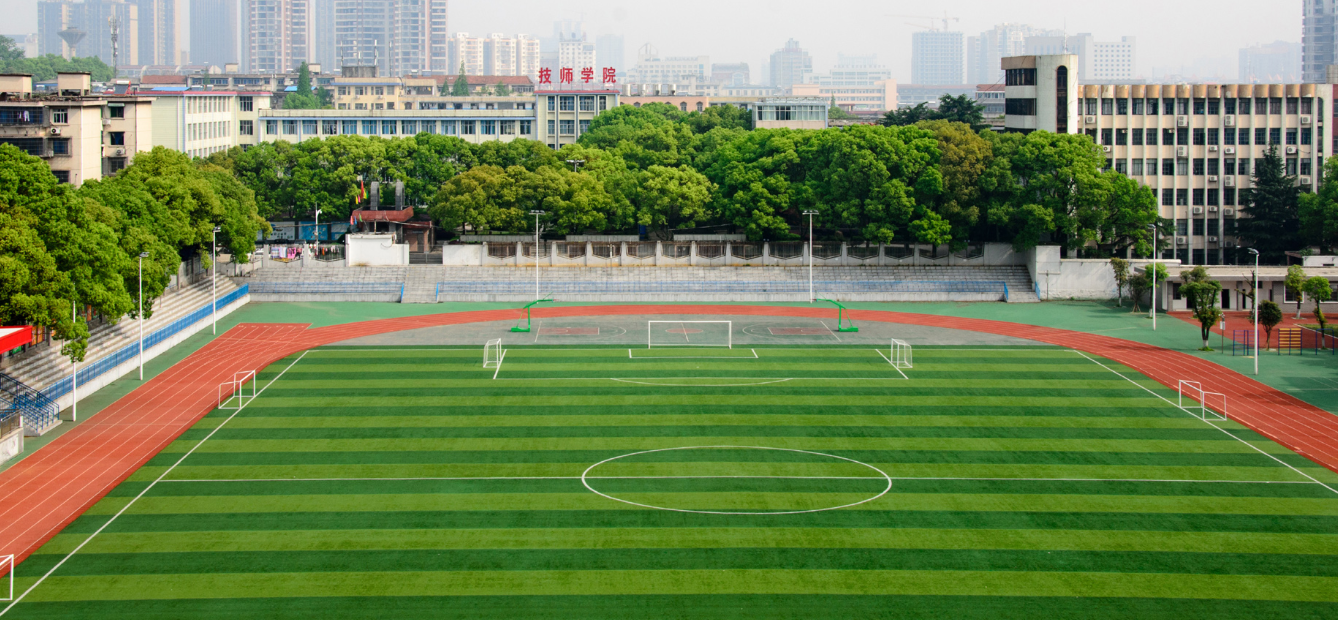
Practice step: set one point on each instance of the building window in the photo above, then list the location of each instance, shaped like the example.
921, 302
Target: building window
1121, 166
245, 104
60, 116
1306, 135
1229, 106
1167, 167
61, 146
115, 164
508, 128
116, 138
1291, 136
585, 126
246, 128
1168, 197
309, 127
1198, 166
1199, 138
552, 101
379, 90
1122, 107
389, 128
1212, 200
1275, 135
1200, 107
1243, 166
1181, 197
1152, 107
1091, 107
1168, 136
1244, 104
1023, 107
369, 128
1182, 135
1152, 167
289, 128
526, 128
409, 128
1229, 197
116, 111
1181, 167
1138, 107
1214, 106
343, 91
1121, 137
1198, 202
1151, 137
587, 104
1107, 107
488, 128
271, 127
1214, 136
390, 105
1260, 136
1136, 167
1136, 137
1307, 106
567, 127
603, 103
429, 127
1182, 106
1020, 77
1274, 105
1292, 105
1291, 166
1181, 227
1305, 167
1106, 136
329, 128
567, 104
466, 128
62, 176
448, 128
348, 128
552, 127
1229, 135
1213, 166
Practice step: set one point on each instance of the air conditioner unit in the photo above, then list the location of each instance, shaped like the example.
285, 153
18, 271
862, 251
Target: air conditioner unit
1091, 120
1182, 121
1106, 148
120, 152
1291, 150
1212, 209
1229, 181
1212, 148
1212, 239
1305, 180
1228, 150
1196, 210
106, 122
55, 131
1228, 211
1305, 120
1181, 241
1229, 120
1212, 178
1182, 151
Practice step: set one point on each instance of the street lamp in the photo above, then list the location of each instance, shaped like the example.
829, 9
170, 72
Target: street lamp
1154, 277
1256, 309
214, 277
536, 213
810, 213
317, 235
74, 370
576, 164
142, 256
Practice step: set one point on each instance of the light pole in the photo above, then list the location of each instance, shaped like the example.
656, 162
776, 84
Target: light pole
214, 277
142, 256
576, 164
74, 371
1154, 277
1256, 309
536, 213
810, 213
317, 234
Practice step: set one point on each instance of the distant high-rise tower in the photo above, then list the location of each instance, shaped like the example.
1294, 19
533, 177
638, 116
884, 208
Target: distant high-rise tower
213, 32
1319, 39
278, 35
93, 17
790, 65
985, 51
158, 36
938, 58
323, 34
399, 36
1276, 63
609, 51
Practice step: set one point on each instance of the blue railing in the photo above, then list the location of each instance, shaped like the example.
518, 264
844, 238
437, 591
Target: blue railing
97, 368
38, 410
10, 420
329, 288
725, 286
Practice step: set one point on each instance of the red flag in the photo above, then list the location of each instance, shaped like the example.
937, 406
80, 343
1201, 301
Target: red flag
362, 193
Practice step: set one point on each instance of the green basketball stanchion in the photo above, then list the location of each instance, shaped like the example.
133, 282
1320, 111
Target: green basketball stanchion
527, 315
840, 316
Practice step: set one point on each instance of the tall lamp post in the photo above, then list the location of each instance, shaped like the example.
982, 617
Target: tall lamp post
1256, 309
1154, 277
536, 213
576, 164
810, 213
74, 372
142, 256
317, 234
214, 277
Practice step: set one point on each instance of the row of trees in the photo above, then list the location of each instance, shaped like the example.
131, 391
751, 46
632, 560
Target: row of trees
934, 182
61, 247
44, 68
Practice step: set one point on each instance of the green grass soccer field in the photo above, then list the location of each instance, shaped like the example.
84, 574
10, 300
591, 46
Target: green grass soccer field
753, 482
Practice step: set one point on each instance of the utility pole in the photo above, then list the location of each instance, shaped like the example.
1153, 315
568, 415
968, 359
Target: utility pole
810, 213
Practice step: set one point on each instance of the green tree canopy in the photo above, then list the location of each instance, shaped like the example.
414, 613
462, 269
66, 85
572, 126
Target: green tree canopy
1272, 206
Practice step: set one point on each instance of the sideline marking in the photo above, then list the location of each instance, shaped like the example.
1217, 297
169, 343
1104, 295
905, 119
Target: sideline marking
1209, 423
703, 384
829, 330
147, 488
585, 475
894, 366
469, 478
499, 365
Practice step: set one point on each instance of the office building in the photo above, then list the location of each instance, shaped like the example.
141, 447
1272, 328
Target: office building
651, 68
875, 97
213, 32
200, 123
323, 34
1098, 61
81, 136
790, 113
730, 74
854, 71
499, 55
474, 124
1275, 63
609, 51
159, 36
985, 50
790, 65
1319, 39
278, 35
938, 58
1193, 145
93, 17
394, 35
562, 116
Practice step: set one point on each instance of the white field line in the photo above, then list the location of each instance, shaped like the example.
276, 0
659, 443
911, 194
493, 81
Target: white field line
829, 330
499, 365
146, 490
894, 366
651, 382
992, 479
692, 357
1210, 423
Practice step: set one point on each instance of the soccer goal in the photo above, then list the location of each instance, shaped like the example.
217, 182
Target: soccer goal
7, 565
690, 334
900, 354
235, 394
1195, 391
492, 353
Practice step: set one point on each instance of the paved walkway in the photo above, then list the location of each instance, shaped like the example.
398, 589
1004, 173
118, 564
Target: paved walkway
45, 492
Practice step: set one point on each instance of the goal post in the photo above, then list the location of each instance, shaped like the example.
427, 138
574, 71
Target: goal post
7, 566
492, 353
690, 334
237, 389
900, 354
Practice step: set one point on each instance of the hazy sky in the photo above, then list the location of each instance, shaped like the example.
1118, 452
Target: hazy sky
1171, 34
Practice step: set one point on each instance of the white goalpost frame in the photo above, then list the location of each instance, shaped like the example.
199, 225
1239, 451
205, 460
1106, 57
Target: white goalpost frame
236, 388
687, 342
1204, 410
899, 353
494, 347
8, 561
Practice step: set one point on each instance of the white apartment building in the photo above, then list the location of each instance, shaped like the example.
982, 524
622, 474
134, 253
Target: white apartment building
278, 35
651, 68
476, 124
1098, 61
985, 50
466, 51
1194, 145
854, 71
879, 96
400, 37
577, 54
202, 122
938, 58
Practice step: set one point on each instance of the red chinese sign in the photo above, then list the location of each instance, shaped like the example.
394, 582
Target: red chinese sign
566, 75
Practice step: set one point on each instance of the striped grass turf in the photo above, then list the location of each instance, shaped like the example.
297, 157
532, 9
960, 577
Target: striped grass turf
410, 483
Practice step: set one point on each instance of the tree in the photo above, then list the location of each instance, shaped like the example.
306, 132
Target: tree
1120, 270
962, 109
1142, 282
1318, 289
1295, 283
44, 68
479, 199
461, 86
838, 113
1269, 317
502, 90
1272, 207
1202, 295
909, 116
726, 116
302, 98
964, 157
9, 50
1318, 212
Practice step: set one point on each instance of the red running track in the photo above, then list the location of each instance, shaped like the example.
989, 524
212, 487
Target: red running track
43, 493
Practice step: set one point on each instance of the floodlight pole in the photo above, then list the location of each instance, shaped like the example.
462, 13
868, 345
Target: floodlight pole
74, 372
142, 256
536, 213
1154, 278
811, 298
213, 264
576, 164
1256, 310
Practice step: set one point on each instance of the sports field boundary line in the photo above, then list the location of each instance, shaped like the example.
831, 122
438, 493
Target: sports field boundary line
908, 478
688, 357
1210, 423
894, 366
499, 365
648, 381
145, 490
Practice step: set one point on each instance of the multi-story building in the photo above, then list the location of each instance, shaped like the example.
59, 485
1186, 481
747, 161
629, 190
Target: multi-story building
323, 33
577, 54
395, 35
938, 57
790, 65
1276, 63
159, 36
476, 121
985, 50
730, 74
370, 92
911, 95
854, 71
81, 136
651, 68
465, 54
879, 96
562, 116
991, 98
250, 82
790, 113
609, 51
278, 35
94, 18
1319, 39
1194, 145
213, 32
202, 122
1104, 61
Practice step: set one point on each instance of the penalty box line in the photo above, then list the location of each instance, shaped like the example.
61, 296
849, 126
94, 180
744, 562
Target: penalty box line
689, 357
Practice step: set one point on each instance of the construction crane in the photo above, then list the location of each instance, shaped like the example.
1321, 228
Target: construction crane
945, 19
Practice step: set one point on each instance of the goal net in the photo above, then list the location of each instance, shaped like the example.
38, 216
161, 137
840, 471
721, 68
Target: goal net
690, 334
492, 353
240, 390
900, 354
